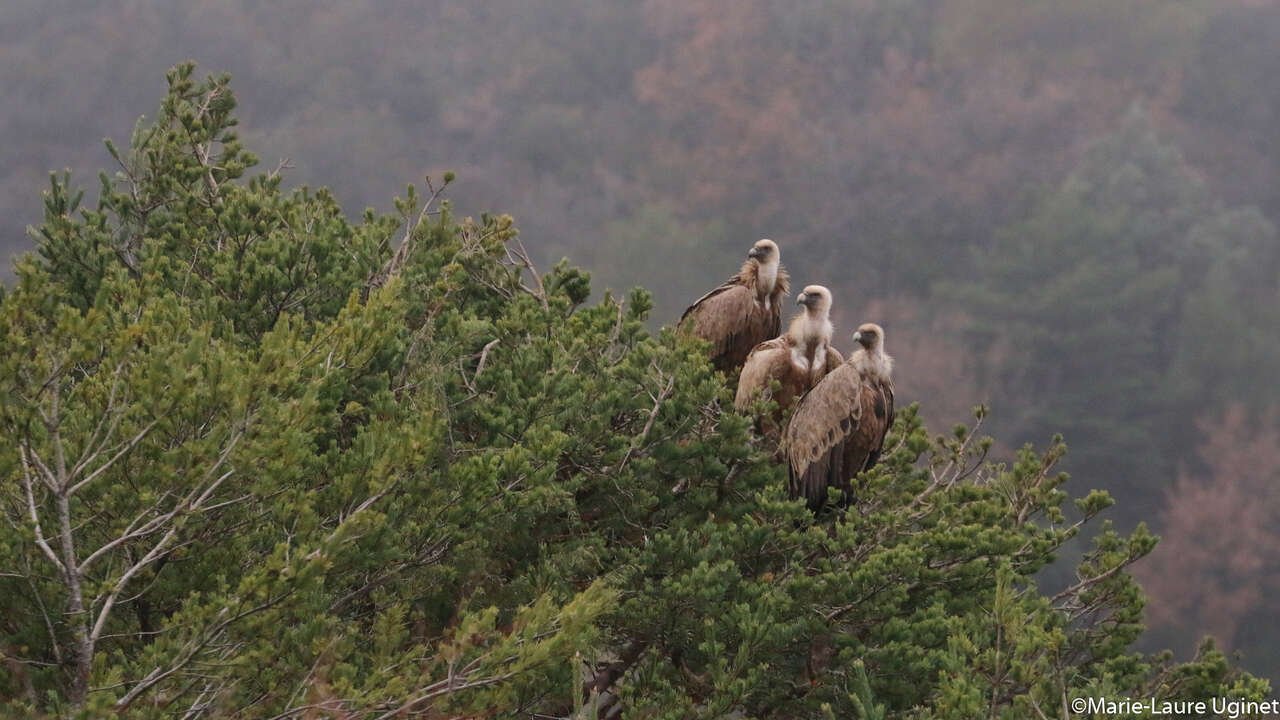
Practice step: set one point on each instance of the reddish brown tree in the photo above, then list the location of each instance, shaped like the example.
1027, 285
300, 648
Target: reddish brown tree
1215, 567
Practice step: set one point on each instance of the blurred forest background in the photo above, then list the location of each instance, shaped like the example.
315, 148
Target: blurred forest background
1067, 210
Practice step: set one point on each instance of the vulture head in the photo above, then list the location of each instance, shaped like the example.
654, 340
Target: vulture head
870, 336
871, 359
764, 252
816, 299
766, 256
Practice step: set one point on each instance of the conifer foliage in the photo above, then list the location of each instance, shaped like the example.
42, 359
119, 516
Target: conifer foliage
264, 462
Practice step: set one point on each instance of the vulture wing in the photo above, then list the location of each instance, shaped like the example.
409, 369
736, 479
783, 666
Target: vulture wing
880, 397
863, 445
769, 360
834, 360
826, 418
837, 431
732, 321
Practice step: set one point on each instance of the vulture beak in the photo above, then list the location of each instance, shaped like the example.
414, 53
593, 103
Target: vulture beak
857, 337
755, 253
800, 299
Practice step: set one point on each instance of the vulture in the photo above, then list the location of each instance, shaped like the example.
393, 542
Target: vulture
743, 312
797, 359
839, 426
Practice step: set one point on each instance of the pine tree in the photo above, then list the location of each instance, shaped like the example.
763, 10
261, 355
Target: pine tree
265, 462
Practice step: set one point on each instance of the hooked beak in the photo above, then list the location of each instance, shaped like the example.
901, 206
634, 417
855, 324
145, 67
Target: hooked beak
755, 253
800, 299
857, 337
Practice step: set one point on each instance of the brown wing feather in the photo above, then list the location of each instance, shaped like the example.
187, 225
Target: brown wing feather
834, 359
733, 322
862, 448
767, 361
735, 281
815, 439
757, 325
866, 437
719, 318
884, 413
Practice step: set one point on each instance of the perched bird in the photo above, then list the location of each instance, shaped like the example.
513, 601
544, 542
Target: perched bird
798, 359
839, 426
744, 311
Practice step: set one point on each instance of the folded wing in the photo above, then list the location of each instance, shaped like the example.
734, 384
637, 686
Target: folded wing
837, 431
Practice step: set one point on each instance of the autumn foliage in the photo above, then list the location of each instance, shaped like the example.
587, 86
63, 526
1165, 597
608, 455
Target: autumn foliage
1214, 568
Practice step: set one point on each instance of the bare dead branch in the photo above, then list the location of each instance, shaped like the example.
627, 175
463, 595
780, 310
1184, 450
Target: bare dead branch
154, 554
484, 355
128, 445
397, 261
447, 686
519, 257
662, 396
1090, 581
87, 455
284, 164
132, 531
208, 635
47, 476
202, 152
41, 542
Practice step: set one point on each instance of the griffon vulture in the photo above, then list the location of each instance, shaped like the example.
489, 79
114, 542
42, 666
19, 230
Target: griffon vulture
797, 360
839, 426
744, 311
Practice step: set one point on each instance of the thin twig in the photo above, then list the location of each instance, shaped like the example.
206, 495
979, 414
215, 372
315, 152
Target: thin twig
401, 255
520, 257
